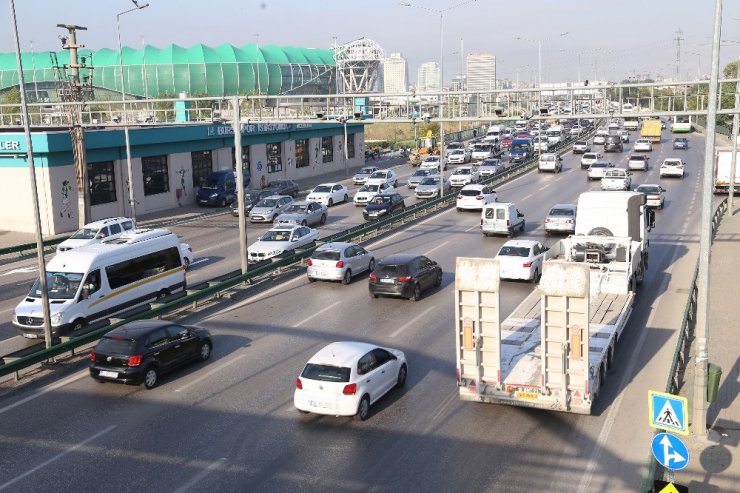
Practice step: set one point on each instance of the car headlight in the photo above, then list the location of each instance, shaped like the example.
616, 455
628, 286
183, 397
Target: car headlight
56, 318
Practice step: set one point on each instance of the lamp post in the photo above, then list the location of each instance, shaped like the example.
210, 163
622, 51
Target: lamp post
441, 81
539, 56
131, 195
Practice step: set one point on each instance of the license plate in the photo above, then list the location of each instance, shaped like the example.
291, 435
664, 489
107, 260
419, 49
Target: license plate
387, 281
109, 374
319, 404
30, 336
527, 395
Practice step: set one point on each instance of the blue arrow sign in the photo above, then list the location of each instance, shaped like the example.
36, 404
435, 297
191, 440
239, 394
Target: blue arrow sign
670, 451
668, 412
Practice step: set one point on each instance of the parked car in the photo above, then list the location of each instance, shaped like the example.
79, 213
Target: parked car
140, 352
521, 259
361, 176
339, 261
284, 187
490, 167
345, 378
561, 219
269, 208
475, 196
581, 146
616, 179
549, 162
654, 194
419, 175
501, 218
280, 241
384, 204
370, 190
643, 145
384, 175
672, 167
681, 143
404, 275
251, 197
219, 188
459, 156
465, 175
304, 213
97, 231
329, 194
589, 158
429, 187
597, 169
638, 162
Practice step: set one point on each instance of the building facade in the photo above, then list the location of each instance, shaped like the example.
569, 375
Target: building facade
395, 74
169, 164
427, 78
481, 71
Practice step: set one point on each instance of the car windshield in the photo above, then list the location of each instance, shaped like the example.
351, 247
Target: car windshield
580, 143
369, 188
326, 373
59, 285
322, 189
512, 251
645, 189
251, 196
381, 199
326, 255
457, 151
598, 165
276, 235
671, 163
470, 192
388, 270
84, 234
378, 174
366, 171
589, 156
296, 208
115, 345
422, 172
209, 183
462, 171
491, 162
481, 147
637, 158
557, 211
266, 203
430, 181
430, 159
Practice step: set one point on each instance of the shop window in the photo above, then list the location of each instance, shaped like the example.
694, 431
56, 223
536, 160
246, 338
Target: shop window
327, 149
302, 154
156, 175
202, 163
102, 181
274, 157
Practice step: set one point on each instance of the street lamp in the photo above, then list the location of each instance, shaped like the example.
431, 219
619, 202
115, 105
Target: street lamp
131, 196
441, 80
539, 54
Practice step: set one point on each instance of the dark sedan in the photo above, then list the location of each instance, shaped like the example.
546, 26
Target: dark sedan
382, 205
251, 197
284, 187
141, 351
404, 275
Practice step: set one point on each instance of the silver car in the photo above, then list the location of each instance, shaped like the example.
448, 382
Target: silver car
339, 262
304, 213
561, 219
429, 187
269, 208
361, 176
419, 175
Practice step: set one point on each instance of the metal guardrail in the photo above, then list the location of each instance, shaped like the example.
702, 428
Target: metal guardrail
19, 249
683, 344
215, 288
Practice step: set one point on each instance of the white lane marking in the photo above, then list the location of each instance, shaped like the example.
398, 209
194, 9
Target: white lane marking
436, 248
316, 314
55, 458
205, 472
45, 390
22, 270
412, 321
200, 261
208, 374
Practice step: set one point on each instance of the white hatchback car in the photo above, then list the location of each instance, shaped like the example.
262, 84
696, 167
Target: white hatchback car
643, 145
95, 232
475, 196
459, 156
465, 175
345, 378
597, 169
330, 193
672, 167
370, 190
589, 158
521, 259
384, 176
281, 241
432, 162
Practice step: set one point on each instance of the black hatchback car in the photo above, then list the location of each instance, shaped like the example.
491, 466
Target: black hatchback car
405, 276
383, 204
251, 197
141, 351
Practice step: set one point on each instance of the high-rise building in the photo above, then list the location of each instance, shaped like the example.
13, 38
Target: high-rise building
458, 83
395, 74
427, 79
481, 71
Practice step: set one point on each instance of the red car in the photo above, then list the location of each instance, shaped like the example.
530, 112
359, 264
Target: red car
506, 143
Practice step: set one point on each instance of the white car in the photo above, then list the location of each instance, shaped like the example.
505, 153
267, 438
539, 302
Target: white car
269, 208
465, 175
596, 170
95, 232
339, 261
280, 241
475, 196
370, 190
589, 158
638, 161
549, 162
581, 147
616, 179
521, 259
643, 145
459, 156
429, 187
384, 176
186, 252
330, 193
361, 176
600, 137
431, 162
672, 167
345, 378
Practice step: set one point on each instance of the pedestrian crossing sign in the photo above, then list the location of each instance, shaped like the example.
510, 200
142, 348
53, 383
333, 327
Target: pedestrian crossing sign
668, 412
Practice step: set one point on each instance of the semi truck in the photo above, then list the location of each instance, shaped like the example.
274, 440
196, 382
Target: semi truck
555, 349
652, 130
722, 171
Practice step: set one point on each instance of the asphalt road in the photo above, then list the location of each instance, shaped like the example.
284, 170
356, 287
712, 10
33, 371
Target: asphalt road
229, 425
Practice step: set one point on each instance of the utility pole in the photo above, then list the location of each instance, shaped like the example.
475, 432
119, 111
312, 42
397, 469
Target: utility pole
678, 39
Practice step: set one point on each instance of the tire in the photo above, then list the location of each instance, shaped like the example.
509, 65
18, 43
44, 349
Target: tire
610, 358
186, 263
304, 223
402, 374
222, 203
294, 194
323, 219
536, 276
311, 279
163, 294
510, 233
76, 325
330, 203
363, 410
273, 218
438, 281
373, 295
204, 351
600, 232
151, 377
346, 197
371, 265
459, 209
417, 293
347, 277
521, 230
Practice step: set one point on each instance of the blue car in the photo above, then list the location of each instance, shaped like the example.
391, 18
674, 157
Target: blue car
680, 143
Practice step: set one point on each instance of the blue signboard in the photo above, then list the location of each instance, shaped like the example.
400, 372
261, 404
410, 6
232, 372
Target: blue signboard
668, 412
670, 451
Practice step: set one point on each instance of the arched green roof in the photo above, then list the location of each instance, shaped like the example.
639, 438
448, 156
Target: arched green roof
218, 71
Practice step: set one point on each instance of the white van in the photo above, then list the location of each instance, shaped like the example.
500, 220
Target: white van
501, 218
97, 231
555, 134
93, 282
494, 133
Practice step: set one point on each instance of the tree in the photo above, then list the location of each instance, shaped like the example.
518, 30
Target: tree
11, 114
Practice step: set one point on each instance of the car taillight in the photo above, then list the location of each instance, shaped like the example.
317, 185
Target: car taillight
350, 389
508, 223
459, 197
298, 384
309, 262
569, 221
404, 278
527, 265
134, 360
92, 356
373, 277
340, 264
481, 221
479, 197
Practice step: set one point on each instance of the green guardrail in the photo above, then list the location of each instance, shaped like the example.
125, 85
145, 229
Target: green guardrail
680, 358
30, 246
356, 233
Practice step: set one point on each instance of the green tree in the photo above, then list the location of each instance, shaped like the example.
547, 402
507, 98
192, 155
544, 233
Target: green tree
12, 112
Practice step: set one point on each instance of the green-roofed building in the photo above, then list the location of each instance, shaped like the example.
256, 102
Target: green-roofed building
200, 70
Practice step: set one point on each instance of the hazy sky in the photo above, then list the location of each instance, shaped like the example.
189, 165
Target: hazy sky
613, 39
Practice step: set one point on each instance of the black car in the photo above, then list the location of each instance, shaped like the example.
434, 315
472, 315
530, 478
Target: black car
251, 197
382, 205
680, 143
141, 351
613, 144
405, 276
284, 187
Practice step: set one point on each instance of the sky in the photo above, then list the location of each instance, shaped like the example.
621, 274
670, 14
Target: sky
605, 40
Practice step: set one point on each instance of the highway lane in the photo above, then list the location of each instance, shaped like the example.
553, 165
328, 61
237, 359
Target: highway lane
230, 426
